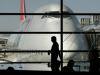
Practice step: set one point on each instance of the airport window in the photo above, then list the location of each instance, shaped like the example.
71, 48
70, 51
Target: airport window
37, 39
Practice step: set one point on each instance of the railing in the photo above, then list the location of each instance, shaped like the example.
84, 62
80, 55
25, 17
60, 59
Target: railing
78, 64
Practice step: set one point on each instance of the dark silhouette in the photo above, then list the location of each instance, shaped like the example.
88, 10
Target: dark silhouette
54, 54
69, 67
94, 61
10, 69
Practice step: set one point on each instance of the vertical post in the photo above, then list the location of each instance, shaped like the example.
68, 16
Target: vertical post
61, 33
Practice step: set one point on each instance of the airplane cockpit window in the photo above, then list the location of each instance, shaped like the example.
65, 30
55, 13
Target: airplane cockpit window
66, 14
55, 14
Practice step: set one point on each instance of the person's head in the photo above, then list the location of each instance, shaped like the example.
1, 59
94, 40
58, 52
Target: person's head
71, 63
53, 39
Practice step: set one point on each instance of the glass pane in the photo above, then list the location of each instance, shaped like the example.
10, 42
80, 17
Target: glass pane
9, 23
29, 23
86, 6
79, 42
35, 42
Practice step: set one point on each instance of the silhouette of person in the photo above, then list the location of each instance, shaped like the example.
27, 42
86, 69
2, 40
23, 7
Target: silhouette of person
54, 54
69, 67
94, 61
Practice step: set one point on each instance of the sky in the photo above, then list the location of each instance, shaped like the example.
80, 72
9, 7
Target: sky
11, 23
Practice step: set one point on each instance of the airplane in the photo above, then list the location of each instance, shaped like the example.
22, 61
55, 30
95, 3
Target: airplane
47, 23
